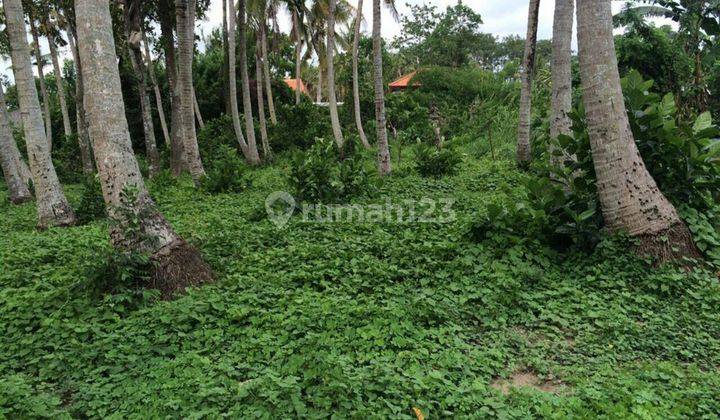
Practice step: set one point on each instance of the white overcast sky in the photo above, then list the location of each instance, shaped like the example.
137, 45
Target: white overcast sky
500, 17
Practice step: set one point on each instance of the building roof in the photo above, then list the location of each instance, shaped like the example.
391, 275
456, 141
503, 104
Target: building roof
293, 83
403, 82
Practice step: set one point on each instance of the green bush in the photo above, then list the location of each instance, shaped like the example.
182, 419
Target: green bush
92, 204
431, 162
216, 133
66, 159
298, 126
319, 175
225, 172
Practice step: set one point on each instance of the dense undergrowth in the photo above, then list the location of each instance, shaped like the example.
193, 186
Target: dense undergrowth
355, 320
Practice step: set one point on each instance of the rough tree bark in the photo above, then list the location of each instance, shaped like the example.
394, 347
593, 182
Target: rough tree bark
60, 84
156, 90
196, 108
245, 79
332, 99
10, 159
225, 43
561, 100
53, 208
43, 89
630, 199
383, 148
356, 77
267, 153
266, 69
177, 264
526, 75
133, 35
185, 19
82, 133
165, 12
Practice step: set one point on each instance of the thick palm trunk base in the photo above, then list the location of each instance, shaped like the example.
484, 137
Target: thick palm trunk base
671, 245
177, 267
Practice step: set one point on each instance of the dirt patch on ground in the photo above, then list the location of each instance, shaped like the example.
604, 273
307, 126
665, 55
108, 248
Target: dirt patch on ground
525, 379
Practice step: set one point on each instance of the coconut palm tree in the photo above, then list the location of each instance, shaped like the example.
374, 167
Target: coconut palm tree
53, 208
40, 62
250, 152
384, 166
10, 159
133, 38
334, 117
561, 100
630, 199
176, 263
50, 29
528, 67
245, 80
185, 27
156, 89
355, 77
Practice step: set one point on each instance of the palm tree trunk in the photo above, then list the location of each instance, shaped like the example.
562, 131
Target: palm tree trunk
185, 18
356, 78
384, 166
266, 70
10, 159
67, 127
245, 79
177, 159
53, 208
156, 89
176, 264
232, 77
133, 37
334, 117
83, 137
631, 201
225, 44
561, 100
298, 54
318, 90
260, 101
196, 108
43, 88
528, 66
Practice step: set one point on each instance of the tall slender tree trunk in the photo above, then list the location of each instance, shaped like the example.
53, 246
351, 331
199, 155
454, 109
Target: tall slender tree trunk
526, 75
133, 34
43, 89
318, 90
384, 166
561, 100
177, 264
53, 208
83, 137
298, 55
225, 44
10, 159
356, 77
165, 12
630, 199
260, 101
60, 84
156, 89
245, 79
196, 108
266, 69
251, 158
332, 99
185, 18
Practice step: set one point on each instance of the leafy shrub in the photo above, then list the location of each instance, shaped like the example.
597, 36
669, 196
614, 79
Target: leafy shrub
161, 182
431, 162
298, 126
92, 204
319, 175
66, 159
225, 173
216, 133
705, 229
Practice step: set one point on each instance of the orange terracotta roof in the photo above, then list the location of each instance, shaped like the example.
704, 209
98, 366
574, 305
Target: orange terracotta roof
403, 82
292, 83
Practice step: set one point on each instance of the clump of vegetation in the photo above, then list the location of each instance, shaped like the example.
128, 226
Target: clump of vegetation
433, 162
92, 205
319, 175
226, 173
